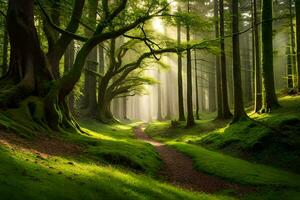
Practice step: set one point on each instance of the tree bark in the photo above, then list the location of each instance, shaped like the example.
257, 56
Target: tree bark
196, 88
159, 109
190, 116
218, 69
258, 78
68, 63
226, 111
293, 53
90, 81
270, 100
180, 85
239, 112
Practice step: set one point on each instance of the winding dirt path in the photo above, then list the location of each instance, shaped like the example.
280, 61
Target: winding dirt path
178, 169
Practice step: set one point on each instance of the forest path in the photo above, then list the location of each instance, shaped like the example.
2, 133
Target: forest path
178, 169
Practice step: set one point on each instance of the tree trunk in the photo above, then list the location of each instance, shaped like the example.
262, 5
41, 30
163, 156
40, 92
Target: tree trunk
239, 112
89, 98
226, 112
159, 109
68, 63
297, 6
218, 69
270, 100
29, 72
125, 108
293, 53
258, 78
60, 44
196, 87
190, 117
180, 85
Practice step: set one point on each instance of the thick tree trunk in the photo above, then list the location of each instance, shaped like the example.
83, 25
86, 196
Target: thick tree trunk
239, 112
226, 112
28, 67
297, 6
218, 69
180, 84
104, 113
190, 116
270, 100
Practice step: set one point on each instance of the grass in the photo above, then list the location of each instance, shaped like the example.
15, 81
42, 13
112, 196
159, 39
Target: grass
115, 145
236, 170
164, 132
23, 175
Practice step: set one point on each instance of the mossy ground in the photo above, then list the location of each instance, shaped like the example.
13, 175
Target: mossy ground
106, 169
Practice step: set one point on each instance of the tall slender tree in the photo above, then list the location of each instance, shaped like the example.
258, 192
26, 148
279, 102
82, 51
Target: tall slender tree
270, 99
256, 50
239, 112
180, 83
196, 85
226, 114
292, 44
190, 116
218, 69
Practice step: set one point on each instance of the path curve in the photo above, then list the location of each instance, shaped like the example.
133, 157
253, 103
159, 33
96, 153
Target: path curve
178, 169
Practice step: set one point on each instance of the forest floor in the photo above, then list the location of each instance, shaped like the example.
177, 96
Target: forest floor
178, 169
241, 161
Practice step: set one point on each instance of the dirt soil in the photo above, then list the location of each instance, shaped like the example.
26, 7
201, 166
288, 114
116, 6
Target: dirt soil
41, 145
178, 169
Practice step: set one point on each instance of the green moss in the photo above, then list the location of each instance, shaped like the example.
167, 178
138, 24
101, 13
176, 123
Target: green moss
24, 175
